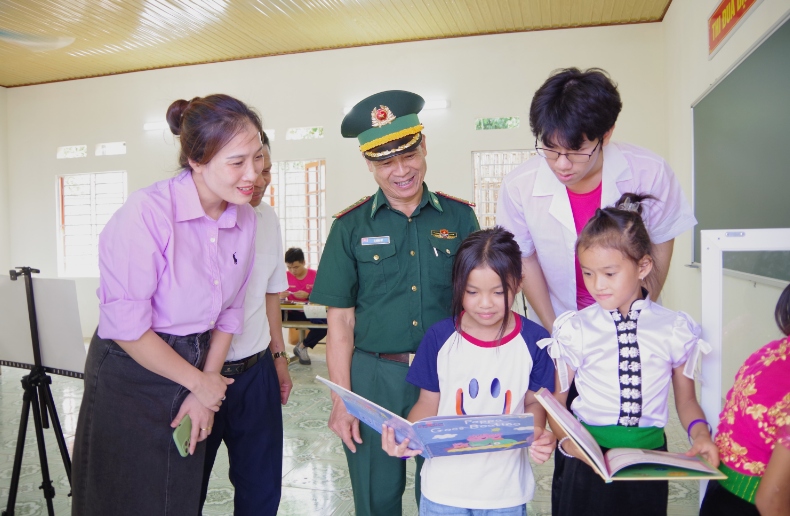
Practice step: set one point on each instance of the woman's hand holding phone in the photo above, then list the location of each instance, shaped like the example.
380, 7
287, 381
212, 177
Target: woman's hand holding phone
202, 420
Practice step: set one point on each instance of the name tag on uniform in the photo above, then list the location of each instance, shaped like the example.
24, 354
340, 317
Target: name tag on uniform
380, 240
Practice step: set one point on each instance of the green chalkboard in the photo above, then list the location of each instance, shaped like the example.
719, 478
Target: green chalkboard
742, 154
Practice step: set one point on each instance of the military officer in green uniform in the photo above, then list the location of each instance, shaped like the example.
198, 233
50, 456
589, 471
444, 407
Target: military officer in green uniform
385, 275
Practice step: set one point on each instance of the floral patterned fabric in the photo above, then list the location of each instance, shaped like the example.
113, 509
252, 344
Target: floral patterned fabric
757, 412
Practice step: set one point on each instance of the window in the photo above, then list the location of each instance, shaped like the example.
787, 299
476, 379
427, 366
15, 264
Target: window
110, 149
86, 202
304, 133
72, 151
297, 194
510, 122
490, 168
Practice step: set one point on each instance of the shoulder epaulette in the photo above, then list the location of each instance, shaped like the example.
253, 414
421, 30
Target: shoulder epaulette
352, 207
456, 199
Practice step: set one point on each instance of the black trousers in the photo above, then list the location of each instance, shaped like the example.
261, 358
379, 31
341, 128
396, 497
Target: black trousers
315, 335
250, 421
720, 502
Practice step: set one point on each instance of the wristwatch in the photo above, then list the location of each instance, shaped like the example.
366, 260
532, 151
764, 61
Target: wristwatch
279, 354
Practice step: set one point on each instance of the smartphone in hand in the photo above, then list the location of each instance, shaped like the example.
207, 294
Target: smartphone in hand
182, 434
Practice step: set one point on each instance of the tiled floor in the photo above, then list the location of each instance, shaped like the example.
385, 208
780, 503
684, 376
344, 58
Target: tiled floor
315, 477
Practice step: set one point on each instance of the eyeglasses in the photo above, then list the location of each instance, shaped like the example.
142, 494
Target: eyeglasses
573, 157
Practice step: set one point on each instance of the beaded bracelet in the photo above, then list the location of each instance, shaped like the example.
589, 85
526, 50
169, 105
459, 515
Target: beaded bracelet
559, 447
691, 425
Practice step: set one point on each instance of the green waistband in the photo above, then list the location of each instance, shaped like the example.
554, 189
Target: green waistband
613, 436
742, 486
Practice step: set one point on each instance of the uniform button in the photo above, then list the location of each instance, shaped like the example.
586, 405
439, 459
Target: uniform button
375, 257
414, 323
409, 219
448, 251
216, 282
213, 240
414, 288
412, 253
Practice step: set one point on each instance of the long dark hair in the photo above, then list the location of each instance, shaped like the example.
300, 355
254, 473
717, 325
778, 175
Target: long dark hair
782, 313
620, 227
494, 248
205, 124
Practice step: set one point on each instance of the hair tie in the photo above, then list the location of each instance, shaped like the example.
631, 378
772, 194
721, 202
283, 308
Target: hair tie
627, 205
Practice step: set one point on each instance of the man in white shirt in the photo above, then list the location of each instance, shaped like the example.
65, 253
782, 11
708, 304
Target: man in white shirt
250, 419
546, 201
542, 202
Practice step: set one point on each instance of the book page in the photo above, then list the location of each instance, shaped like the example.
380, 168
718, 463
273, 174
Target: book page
619, 458
574, 429
374, 415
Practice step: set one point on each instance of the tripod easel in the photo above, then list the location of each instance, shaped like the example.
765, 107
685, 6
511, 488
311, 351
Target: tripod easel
38, 396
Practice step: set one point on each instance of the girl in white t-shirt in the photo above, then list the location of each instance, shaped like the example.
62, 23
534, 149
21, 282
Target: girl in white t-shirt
624, 352
482, 360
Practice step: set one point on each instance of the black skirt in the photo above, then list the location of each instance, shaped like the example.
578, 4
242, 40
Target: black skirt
125, 461
720, 502
583, 492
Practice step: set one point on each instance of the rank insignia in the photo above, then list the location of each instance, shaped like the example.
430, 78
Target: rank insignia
352, 207
381, 116
443, 233
457, 199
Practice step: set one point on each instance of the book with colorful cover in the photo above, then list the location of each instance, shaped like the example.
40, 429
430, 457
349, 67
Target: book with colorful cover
627, 463
442, 436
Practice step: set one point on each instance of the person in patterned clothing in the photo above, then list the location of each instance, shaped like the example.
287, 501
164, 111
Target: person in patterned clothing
755, 419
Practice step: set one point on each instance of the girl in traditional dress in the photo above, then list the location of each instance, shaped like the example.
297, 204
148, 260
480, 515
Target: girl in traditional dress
624, 352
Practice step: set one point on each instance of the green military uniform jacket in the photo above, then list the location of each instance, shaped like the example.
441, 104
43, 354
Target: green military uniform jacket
393, 269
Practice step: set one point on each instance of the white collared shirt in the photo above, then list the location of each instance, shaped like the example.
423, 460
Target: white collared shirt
268, 277
534, 206
587, 341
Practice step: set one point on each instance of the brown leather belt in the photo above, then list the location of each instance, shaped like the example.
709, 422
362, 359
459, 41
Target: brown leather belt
239, 366
402, 358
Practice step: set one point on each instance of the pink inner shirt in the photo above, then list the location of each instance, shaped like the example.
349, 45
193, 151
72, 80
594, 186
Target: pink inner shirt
295, 285
755, 418
166, 265
583, 207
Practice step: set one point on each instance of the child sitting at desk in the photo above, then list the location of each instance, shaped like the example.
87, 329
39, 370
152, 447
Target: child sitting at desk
300, 284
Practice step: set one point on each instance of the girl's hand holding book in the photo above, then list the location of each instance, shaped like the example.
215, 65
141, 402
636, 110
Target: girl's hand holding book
542, 446
394, 449
704, 445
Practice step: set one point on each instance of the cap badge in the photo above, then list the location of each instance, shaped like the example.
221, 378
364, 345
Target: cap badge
381, 116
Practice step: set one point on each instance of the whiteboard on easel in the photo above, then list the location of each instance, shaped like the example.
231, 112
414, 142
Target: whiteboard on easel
59, 331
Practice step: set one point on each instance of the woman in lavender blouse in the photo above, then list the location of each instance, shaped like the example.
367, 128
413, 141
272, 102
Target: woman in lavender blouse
174, 263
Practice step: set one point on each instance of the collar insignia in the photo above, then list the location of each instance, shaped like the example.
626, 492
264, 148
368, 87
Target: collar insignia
381, 116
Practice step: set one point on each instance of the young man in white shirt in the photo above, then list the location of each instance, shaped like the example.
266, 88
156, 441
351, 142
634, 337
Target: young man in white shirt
546, 201
573, 116
250, 420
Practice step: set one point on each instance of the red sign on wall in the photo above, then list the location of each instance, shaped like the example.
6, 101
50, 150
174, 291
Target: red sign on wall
724, 19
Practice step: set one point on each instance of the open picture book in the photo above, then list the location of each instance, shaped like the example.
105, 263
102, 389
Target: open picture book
442, 436
627, 463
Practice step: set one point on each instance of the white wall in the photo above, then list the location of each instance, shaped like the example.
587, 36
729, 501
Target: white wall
4, 214
481, 76
748, 307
